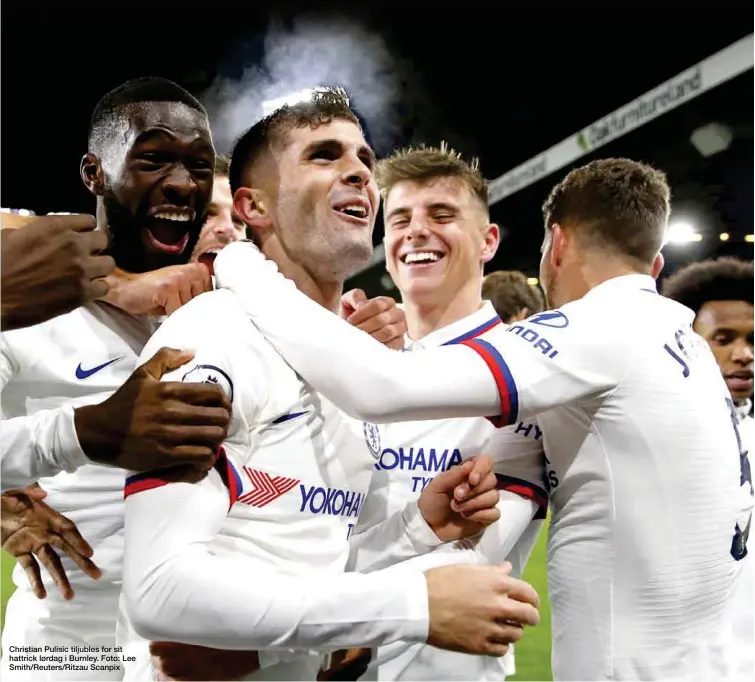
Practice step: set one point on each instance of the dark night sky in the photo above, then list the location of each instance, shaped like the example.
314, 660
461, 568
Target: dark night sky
504, 84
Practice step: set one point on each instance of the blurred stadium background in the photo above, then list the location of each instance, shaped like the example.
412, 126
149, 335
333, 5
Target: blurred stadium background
532, 94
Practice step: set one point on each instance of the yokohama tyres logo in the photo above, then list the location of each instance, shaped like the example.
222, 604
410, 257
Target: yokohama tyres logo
265, 488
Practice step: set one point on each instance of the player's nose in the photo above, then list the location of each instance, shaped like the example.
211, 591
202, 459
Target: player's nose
418, 228
743, 353
179, 185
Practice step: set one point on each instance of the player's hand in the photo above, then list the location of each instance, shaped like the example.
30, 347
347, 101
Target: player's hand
30, 529
51, 266
189, 662
478, 609
380, 317
148, 424
461, 502
159, 292
346, 664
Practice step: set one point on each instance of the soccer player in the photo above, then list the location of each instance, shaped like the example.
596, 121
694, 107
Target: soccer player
252, 556
150, 164
438, 236
720, 293
163, 291
644, 470
512, 297
223, 225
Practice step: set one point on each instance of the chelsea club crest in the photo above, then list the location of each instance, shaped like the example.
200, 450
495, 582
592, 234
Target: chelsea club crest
372, 437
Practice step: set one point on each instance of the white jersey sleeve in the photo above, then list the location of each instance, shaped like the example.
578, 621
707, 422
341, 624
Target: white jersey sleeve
361, 376
36, 446
519, 463
174, 586
526, 369
401, 536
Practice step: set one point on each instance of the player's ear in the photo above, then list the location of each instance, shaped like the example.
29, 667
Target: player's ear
491, 239
252, 206
523, 314
657, 266
92, 174
559, 243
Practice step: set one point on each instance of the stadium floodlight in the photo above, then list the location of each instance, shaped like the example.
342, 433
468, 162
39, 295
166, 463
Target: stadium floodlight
724, 236
749, 238
681, 232
269, 106
533, 281
712, 139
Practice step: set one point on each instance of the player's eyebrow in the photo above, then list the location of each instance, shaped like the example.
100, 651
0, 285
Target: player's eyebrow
364, 152
443, 206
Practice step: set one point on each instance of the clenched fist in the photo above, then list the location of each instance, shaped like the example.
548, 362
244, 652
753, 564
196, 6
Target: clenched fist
51, 266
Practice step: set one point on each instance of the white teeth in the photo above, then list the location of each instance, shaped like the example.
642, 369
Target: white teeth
355, 210
178, 217
421, 257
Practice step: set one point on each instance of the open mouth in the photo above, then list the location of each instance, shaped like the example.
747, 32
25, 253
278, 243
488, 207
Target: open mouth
419, 258
356, 211
168, 230
208, 259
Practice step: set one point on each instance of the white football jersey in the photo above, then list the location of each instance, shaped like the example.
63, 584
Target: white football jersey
412, 454
644, 471
738, 662
297, 468
76, 359
647, 525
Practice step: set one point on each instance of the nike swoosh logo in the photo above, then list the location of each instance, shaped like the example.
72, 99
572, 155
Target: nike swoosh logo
287, 417
86, 373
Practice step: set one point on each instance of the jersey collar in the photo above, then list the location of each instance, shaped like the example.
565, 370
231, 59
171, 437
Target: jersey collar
467, 327
743, 409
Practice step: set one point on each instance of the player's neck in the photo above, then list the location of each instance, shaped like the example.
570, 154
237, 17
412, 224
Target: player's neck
426, 316
101, 216
592, 272
327, 294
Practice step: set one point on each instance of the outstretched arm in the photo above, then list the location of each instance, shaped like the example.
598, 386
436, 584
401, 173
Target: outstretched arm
508, 373
359, 374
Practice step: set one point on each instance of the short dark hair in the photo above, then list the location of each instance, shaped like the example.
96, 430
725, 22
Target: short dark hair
325, 105
222, 166
722, 279
116, 102
510, 293
618, 205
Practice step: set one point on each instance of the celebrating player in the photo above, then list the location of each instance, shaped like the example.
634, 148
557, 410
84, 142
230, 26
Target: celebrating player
252, 555
438, 236
150, 164
636, 420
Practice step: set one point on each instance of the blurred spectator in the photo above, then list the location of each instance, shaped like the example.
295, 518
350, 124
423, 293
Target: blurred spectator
512, 297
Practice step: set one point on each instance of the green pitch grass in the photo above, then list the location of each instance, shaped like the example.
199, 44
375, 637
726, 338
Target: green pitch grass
533, 653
